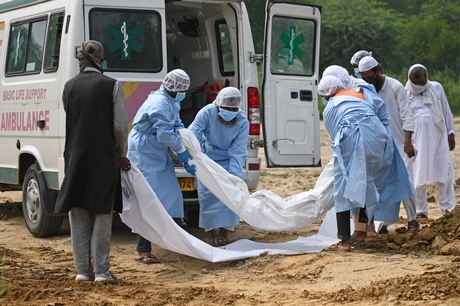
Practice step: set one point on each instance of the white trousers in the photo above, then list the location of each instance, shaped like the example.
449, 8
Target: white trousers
446, 196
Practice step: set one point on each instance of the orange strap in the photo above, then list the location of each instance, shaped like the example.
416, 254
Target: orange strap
351, 92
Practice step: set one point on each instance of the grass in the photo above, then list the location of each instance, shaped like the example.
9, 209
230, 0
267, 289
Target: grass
5, 283
264, 173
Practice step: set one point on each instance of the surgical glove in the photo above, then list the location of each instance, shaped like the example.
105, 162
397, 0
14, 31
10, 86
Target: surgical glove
190, 169
184, 156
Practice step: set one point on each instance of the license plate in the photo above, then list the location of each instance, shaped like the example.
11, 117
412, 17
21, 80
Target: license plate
186, 184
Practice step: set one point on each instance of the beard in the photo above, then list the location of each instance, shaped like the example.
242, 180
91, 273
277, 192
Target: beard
226, 123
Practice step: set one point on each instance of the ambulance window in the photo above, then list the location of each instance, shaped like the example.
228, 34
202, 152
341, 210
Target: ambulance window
53, 45
25, 47
131, 39
293, 46
224, 47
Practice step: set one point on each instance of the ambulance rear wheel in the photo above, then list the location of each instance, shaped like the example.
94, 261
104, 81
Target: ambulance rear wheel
38, 221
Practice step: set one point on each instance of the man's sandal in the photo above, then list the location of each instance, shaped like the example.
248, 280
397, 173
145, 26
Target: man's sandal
338, 248
222, 237
147, 259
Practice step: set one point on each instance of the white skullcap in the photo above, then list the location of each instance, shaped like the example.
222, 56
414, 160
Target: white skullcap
230, 97
329, 85
341, 73
367, 63
358, 56
176, 80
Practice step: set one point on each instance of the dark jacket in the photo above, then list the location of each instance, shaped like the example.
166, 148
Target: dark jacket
92, 171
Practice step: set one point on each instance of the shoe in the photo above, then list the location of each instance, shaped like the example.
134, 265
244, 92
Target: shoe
422, 216
107, 276
384, 230
83, 277
413, 226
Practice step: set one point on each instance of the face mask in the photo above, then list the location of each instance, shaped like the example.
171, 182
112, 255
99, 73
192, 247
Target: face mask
227, 115
418, 89
104, 65
357, 74
179, 97
376, 82
324, 100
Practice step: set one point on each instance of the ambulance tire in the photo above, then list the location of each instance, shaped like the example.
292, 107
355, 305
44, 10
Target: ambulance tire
38, 221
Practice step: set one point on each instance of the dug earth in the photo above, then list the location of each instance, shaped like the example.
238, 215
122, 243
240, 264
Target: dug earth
401, 269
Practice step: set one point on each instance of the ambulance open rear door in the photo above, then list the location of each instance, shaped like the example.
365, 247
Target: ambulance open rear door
290, 116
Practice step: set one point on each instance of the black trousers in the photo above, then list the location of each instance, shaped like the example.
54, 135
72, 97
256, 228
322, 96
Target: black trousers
343, 223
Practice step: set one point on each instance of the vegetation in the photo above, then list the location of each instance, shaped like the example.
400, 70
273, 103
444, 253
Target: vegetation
399, 34
4, 283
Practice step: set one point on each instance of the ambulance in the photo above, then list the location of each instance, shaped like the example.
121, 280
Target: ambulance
143, 40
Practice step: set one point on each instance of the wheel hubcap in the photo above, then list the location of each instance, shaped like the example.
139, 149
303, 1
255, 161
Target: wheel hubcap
33, 201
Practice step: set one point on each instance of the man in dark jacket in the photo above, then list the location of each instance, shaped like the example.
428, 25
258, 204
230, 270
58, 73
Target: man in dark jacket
96, 134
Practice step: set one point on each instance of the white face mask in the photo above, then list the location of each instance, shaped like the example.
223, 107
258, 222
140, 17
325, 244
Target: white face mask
418, 89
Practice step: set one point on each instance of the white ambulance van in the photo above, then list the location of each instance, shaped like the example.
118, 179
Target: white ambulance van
211, 40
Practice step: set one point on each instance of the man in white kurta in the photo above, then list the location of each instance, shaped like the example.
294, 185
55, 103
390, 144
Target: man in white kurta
429, 136
392, 92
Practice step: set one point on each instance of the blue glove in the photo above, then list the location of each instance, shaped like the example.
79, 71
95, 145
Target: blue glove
184, 156
190, 169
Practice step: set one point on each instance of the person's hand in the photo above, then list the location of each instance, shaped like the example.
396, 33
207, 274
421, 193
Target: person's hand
451, 140
125, 164
190, 169
184, 157
409, 149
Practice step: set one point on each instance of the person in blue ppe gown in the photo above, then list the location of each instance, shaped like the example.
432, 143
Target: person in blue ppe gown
358, 128
222, 129
154, 130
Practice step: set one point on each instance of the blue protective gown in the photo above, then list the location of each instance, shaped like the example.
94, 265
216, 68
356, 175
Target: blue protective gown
154, 129
227, 146
358, 144
393, 181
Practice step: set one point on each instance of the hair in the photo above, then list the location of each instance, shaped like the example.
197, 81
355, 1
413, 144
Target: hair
418, 72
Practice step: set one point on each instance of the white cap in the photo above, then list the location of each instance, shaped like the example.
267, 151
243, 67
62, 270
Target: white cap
341, 73
176, 80
230, 97
329, 85
358, 56
367, 63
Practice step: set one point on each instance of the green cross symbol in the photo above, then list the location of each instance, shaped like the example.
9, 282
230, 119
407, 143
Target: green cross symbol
125, 39
17, 50
291, 45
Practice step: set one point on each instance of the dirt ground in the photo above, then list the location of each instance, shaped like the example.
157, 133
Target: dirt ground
403, 269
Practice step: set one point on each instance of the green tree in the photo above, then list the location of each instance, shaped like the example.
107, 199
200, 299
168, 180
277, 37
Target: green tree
432, 37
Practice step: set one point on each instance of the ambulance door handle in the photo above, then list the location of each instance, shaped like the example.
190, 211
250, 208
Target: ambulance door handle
41, 124
306, 95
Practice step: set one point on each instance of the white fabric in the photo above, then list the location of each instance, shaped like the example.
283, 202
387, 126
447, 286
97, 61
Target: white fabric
144, 214
394, 95
341, 73
329, 85
263, 209
408, 116
432, 157
433, 162
230, 97
367, 63
358, 56
176, 80
446, 198
430, 99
